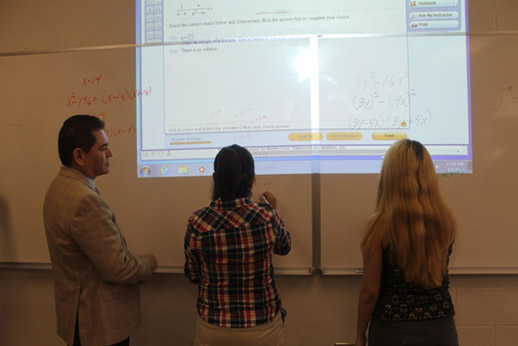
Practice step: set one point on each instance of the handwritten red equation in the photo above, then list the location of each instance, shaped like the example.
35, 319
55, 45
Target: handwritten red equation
93, 95
106, 96
120, 131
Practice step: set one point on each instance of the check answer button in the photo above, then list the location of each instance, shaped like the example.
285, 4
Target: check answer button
343, 136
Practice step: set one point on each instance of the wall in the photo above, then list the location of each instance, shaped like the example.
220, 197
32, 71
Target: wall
321, 309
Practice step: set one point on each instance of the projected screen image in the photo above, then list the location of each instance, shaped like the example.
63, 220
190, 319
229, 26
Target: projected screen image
307, 87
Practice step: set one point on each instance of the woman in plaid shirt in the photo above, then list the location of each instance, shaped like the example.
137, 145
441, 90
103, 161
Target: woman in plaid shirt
228, 253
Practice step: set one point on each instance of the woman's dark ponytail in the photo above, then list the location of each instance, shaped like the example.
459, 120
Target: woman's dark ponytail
233, 173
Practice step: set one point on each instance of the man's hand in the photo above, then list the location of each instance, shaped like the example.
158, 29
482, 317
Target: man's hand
151, 260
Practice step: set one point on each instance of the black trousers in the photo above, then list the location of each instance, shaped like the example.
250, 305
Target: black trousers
77, 341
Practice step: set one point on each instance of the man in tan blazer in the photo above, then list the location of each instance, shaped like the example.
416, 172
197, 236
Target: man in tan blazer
95, 276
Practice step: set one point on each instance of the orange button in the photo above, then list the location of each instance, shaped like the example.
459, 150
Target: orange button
306, 136
389, 136
343, 136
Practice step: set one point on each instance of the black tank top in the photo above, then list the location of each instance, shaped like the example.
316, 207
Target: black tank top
403, 301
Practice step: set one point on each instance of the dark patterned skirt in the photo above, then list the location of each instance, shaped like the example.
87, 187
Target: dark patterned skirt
441, 332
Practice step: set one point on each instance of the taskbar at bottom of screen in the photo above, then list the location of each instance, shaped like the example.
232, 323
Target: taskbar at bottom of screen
307, 166
262, 167
202, 169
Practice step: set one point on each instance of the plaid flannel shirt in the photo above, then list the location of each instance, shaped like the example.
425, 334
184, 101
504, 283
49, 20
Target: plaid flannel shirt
228, 253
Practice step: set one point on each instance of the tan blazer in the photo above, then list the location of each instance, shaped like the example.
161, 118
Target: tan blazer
95, 276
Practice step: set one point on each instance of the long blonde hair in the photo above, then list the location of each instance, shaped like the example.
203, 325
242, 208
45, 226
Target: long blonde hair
410, 217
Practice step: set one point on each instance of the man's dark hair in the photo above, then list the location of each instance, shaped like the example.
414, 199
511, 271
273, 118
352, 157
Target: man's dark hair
77, 132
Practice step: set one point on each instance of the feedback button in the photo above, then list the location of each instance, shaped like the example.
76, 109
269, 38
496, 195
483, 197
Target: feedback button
388, 136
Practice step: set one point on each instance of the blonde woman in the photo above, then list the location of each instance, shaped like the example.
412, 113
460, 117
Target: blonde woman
406, 248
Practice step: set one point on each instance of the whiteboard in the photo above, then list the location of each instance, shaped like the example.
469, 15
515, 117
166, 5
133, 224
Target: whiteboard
47, 49
485, 202
38, 92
